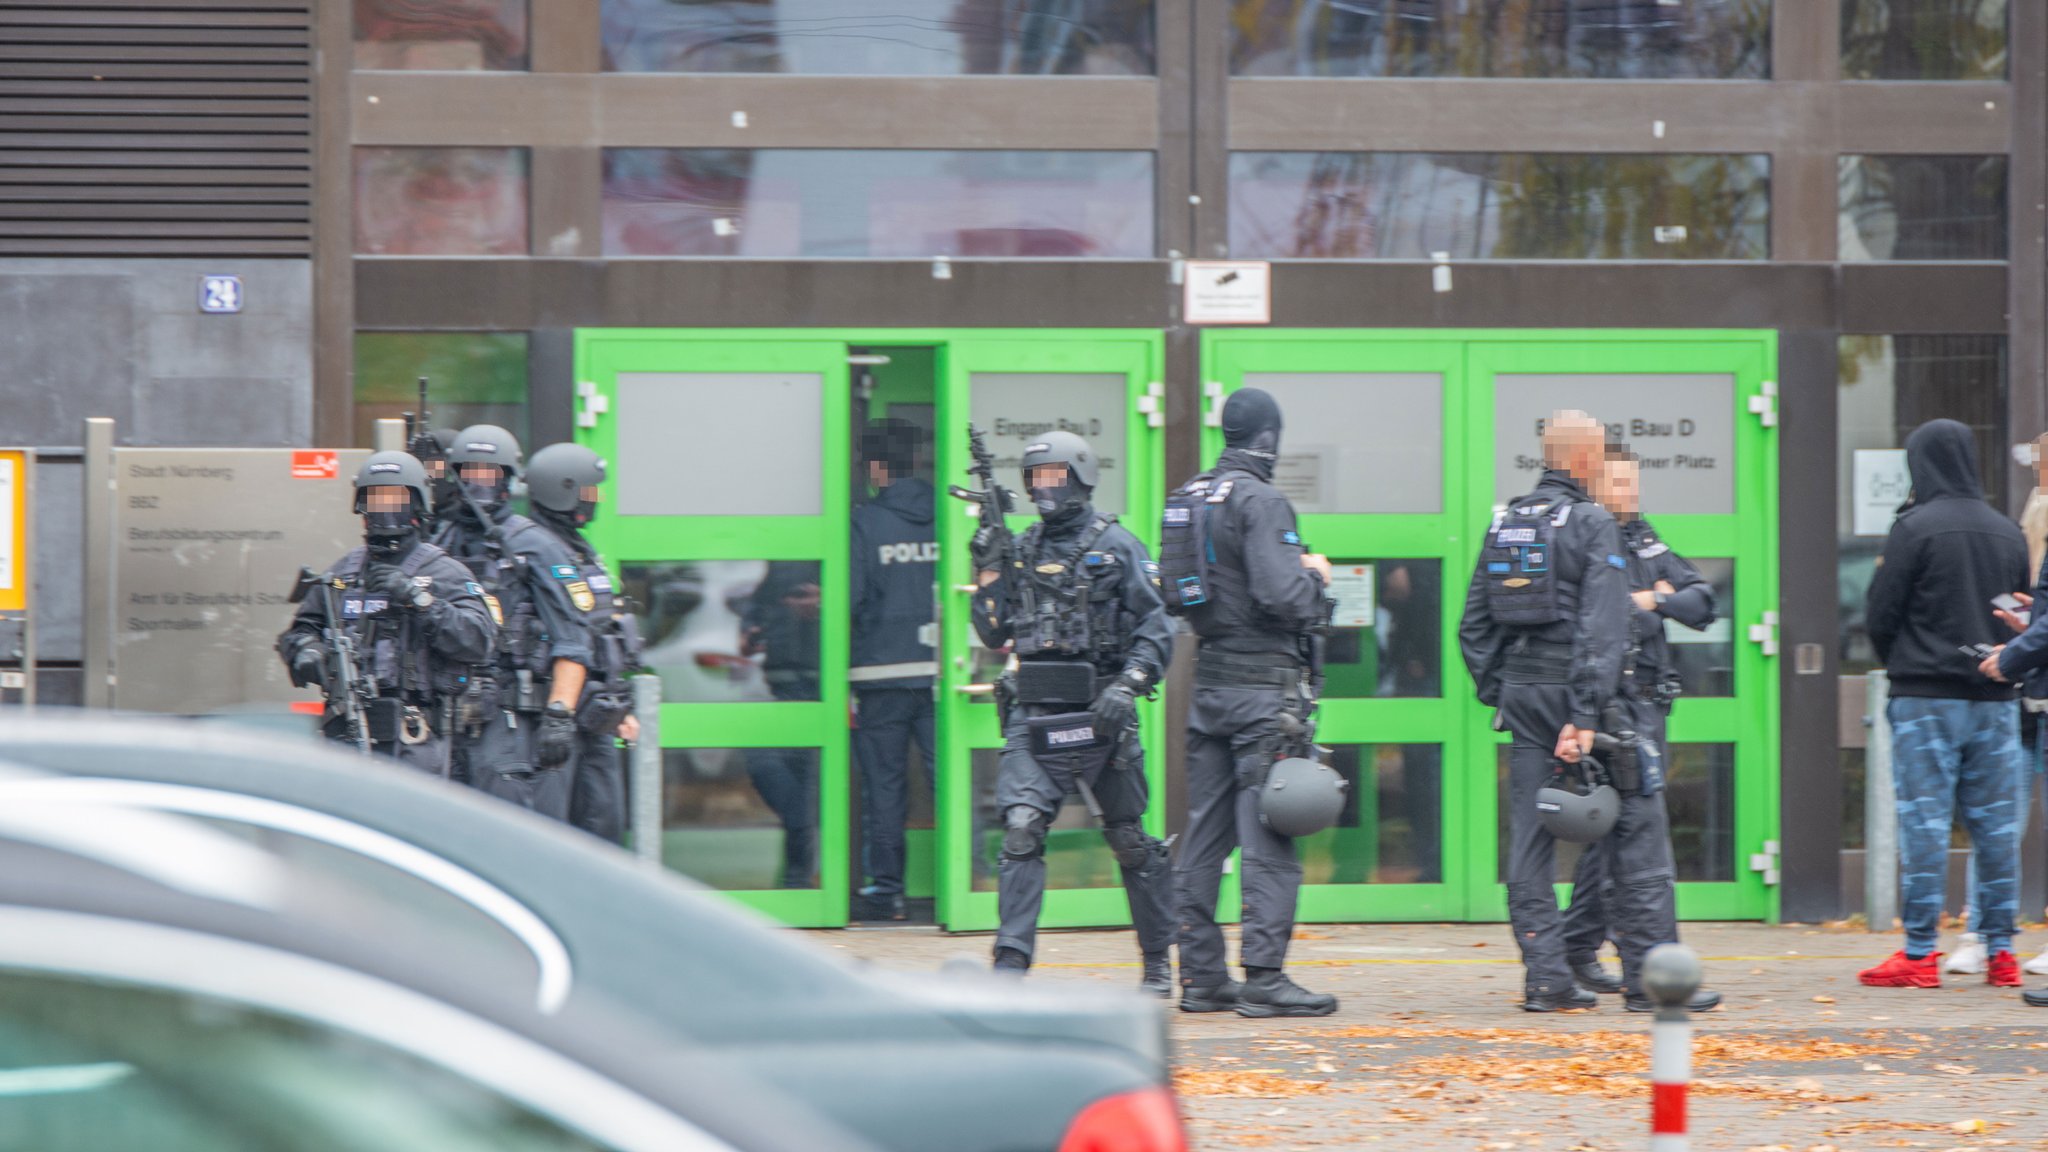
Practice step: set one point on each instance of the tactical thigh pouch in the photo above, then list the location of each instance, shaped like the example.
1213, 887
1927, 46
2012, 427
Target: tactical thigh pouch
1055, 682
1065, 733
602, 712
385, 718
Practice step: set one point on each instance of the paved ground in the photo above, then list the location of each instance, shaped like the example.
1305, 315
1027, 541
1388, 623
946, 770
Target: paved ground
1430, 1051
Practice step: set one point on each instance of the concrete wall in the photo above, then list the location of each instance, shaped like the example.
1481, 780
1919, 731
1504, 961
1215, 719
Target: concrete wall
126, 339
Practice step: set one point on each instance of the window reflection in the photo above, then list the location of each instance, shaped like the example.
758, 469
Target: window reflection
1506, 206
876, 203
440, 201
1391, 829
881, 37
1922, 207
445, 36
1385, 639
1705, 660
1923, 39
741, 819
1620, 39
1700, 796
729, 631
473, 378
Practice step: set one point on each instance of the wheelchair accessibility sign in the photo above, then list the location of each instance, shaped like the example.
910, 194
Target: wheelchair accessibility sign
220, 294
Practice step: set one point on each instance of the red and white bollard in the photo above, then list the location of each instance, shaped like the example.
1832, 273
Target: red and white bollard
1671, 974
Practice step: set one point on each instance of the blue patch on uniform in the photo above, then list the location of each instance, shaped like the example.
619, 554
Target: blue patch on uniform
566, 572
1617, 561
1499, 566
475, 589
1290, 537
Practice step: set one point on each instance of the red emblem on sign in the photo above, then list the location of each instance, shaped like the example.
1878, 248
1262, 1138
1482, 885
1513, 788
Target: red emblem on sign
316, 465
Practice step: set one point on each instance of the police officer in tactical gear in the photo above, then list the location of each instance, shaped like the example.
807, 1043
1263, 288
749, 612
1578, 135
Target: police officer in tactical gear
562, 485
1545, 636
520, 737
1662, 586
1255, 608
894, 573
1076, 598
415, 620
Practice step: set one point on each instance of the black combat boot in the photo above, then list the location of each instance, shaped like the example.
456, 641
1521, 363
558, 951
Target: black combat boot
1158, 978
1268, 992
1576, 999
1704, 1000
1594, 977
1010, 962
1214, 998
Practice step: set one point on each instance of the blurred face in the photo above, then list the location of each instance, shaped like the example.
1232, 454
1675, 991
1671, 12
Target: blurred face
387, 510
484, 483
586, 503
1622, 481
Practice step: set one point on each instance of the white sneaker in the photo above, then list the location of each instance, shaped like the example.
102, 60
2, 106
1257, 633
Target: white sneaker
1968, 958
2039, 964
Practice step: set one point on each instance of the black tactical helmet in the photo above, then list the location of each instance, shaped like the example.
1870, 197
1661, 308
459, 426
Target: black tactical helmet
1301, 797
486, 444
558, 474
392, 469
1061, 448
1574, 808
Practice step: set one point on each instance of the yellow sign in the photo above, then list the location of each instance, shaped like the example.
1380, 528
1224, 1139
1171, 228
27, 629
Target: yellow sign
16, 573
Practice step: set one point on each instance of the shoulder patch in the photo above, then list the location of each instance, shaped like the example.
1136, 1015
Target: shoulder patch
1617, 561
473, 588
1290, 536
565, 572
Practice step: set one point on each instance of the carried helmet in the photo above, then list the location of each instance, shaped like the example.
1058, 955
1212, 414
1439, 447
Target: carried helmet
558, 476
486, 444
1301, 797
1578, 809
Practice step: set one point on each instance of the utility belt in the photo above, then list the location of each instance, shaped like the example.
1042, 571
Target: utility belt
1247, 670
1053, 682
1532, 661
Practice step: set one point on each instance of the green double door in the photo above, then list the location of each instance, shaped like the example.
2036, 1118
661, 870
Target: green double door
735, 459
1399, 446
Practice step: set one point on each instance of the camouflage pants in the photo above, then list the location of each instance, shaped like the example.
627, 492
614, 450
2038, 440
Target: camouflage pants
1950, 756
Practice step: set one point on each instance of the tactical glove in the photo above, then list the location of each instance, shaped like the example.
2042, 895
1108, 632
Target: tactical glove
388, 581
309, 666
557, 735
1117, 708
985, 549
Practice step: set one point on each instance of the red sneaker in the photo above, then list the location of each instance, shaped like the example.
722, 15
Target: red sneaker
1902, 971
2003, 971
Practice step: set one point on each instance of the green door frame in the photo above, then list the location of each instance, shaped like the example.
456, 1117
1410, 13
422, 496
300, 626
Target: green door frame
1469, 360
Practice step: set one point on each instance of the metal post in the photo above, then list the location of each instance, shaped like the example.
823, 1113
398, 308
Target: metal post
1880, 813
389, 435
28, 617
646, 769
1671, 974
97, 612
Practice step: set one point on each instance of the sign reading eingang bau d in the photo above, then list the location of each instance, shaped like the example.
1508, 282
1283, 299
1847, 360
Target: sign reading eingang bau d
208, 543
1681, 426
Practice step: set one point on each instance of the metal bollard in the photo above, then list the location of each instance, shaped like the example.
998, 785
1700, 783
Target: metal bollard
1671, 974
646, 768
1880, 812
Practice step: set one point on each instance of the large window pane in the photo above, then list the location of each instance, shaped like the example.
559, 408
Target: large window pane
1922, 207
1016, 408
789, 202
440, 201
1620, 39
729, 631
1890, 385
1681, 426
1705, 660
454, 36
1386, 636
472, 378
1700, 796
1391, 829
881, 37
1507, 206
741, 819
1923, 39
765, 453
1360, 441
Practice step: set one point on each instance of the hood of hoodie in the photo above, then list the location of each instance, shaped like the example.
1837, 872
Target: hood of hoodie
911, 498
1942, 457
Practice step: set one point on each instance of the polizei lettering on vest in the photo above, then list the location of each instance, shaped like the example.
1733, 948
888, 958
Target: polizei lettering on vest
925, 553
1081, 735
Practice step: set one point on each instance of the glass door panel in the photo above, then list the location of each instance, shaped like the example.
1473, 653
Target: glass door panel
733, 549
1015, 387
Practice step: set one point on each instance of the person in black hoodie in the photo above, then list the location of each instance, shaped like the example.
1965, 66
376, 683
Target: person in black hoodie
895, 561
1955, 731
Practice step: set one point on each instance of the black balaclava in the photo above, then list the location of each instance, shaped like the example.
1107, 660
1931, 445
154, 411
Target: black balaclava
1251, 430
1063, 503
392, 533
488, 498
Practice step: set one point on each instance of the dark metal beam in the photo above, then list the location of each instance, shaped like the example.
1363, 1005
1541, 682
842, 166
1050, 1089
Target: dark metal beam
334, 237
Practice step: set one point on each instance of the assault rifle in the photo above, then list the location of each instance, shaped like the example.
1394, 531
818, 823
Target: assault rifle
347, 688
995, 500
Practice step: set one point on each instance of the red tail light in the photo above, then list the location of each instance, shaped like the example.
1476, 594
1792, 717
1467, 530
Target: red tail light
1142, 1121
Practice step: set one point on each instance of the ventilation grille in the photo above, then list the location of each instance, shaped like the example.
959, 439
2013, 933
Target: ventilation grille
156, 128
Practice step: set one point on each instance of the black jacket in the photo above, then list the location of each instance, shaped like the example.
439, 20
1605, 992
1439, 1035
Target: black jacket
1588, 556
1262, 601
895, 562
1691, 601
1947, 555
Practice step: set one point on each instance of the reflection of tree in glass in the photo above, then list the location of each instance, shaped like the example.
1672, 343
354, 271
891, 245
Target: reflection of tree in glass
1924, 39
441, 34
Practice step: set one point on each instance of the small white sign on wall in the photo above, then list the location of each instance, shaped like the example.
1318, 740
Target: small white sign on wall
1882, 484
1228, 292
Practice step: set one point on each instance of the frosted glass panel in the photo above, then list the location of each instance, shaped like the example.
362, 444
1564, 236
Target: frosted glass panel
1359, 441
719, 443
1681, 426
1015, 408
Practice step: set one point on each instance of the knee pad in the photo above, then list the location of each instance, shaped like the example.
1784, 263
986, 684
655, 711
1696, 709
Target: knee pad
1023, 833
1130, 844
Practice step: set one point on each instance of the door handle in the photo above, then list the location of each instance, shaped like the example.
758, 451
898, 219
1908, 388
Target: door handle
970, 589
975, 689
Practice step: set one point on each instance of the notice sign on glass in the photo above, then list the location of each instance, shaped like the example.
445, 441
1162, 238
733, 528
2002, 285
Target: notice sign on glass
208, 545
1881, 484
1351, 586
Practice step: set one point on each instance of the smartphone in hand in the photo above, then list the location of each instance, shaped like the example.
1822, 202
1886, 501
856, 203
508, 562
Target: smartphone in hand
2007, 602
